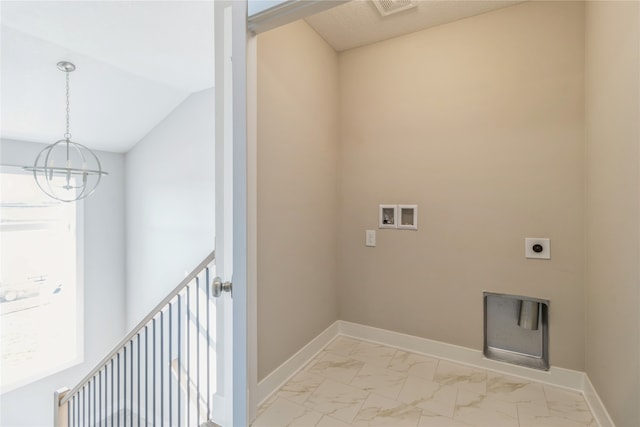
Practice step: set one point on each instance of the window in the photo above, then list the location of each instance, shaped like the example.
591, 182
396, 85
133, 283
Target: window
41, 310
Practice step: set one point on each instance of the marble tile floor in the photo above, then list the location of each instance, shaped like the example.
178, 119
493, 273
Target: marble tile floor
357, 383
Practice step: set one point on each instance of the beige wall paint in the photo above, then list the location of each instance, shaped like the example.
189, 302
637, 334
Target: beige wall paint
297, 191
613, 199
481, 123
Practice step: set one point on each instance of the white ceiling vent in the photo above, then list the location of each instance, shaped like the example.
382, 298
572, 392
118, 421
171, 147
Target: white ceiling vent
389, 7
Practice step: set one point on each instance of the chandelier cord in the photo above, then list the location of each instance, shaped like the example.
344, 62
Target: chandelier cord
67, 135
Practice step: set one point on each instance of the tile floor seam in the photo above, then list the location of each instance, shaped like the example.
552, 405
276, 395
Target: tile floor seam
359, 370
359, 408
455, 404
404, 382
277, 394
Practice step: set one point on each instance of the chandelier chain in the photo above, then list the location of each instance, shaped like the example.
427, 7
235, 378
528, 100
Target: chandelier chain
67, 135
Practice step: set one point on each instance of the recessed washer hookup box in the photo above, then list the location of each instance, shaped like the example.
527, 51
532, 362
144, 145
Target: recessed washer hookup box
516, 330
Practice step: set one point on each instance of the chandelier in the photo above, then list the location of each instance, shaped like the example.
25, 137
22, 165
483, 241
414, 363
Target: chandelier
65, 170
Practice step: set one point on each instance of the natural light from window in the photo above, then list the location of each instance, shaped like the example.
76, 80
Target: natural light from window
40, 293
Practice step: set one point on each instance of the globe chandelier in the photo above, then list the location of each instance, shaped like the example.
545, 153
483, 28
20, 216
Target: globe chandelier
66, 170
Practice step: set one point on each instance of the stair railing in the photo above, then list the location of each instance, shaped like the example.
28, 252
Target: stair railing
159, 374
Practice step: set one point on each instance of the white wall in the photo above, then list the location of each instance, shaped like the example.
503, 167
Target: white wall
170, 216
169, 228
32, 405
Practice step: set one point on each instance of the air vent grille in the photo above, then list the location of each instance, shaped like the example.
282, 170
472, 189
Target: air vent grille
388, 7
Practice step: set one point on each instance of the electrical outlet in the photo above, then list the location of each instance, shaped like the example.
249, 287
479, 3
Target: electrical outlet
537, 248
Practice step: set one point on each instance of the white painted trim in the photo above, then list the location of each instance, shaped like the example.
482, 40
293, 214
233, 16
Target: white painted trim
284, 12
555, 376
595, 404
80, 283
240, 307
282, 373
252, 224
230, 313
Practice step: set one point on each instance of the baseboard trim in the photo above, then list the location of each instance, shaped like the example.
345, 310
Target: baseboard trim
284, 372
595, 404
560, 377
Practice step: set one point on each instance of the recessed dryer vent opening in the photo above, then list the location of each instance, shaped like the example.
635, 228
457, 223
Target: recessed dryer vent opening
516, 330
389, 7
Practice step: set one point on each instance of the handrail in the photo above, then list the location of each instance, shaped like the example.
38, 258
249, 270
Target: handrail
139, 327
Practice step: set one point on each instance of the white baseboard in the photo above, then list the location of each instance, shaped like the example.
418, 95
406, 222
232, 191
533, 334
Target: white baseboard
555, 376
595, 404
561, 377
282, 373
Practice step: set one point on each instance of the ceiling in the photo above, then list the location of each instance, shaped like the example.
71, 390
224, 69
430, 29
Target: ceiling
136, 61
359, 23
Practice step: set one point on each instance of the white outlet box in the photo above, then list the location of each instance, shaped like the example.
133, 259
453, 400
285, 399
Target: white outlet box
370, 238
535, 247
